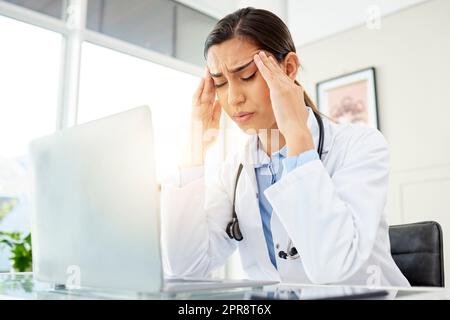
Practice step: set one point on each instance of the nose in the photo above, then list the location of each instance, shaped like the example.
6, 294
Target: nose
235, 95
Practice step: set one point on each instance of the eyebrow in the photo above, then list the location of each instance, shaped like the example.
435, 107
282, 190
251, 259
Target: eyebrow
234, 70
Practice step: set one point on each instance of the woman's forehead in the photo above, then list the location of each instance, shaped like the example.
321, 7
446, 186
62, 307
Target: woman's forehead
230, 54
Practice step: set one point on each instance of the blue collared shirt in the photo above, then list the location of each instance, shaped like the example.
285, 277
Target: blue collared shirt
268, 171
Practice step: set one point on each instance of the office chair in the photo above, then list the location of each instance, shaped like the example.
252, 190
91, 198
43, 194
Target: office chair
417, 251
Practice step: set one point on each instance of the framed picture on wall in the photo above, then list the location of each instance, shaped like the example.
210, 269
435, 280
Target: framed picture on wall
350, 98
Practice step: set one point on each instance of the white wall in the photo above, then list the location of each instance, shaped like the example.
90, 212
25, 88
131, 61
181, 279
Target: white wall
279, 7
311, 20
411, 53
216, 9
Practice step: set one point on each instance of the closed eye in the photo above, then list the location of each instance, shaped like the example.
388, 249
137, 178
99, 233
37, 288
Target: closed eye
250, 77
244, 79
219, 85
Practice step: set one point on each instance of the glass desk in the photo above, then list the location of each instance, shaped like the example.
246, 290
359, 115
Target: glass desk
23, 286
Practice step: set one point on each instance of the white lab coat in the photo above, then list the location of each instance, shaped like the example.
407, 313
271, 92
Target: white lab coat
333, 210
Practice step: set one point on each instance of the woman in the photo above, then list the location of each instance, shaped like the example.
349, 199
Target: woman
308, 194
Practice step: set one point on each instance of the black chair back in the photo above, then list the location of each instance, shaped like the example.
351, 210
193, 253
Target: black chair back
417, 251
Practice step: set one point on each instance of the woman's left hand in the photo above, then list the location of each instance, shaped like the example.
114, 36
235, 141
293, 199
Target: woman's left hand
287, 103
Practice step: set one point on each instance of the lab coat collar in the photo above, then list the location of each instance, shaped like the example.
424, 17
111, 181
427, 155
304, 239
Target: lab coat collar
313, 126
249, 158
253, 156
261, 157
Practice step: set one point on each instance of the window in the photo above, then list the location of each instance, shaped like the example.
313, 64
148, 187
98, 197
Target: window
164, 26
52, 8
29, 64
112, 82
191, 31
160, 25
146, 23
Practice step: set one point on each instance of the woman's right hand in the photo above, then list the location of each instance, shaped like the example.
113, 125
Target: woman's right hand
205, 119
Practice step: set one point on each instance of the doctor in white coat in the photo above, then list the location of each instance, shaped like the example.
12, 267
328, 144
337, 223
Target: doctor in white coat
308, 204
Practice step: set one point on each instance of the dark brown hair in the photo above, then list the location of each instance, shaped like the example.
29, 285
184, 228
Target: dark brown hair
261, 27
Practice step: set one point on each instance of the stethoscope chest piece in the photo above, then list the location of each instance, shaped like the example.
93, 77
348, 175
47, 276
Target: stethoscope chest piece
290, 254
233, 230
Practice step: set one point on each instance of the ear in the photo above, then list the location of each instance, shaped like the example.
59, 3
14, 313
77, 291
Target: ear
291, 64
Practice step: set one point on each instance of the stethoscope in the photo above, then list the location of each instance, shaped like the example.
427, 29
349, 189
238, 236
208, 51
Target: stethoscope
233, 229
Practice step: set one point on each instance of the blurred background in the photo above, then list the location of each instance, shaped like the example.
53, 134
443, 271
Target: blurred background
64, 63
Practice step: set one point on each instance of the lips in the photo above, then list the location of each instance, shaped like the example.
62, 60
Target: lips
242, 116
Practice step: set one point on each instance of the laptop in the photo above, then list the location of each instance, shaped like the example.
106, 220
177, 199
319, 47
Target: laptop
95, 220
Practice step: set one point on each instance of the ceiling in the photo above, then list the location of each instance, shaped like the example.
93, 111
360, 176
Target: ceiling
312, 20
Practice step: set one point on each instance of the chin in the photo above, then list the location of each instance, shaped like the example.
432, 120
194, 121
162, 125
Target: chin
249, 128
244, 127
